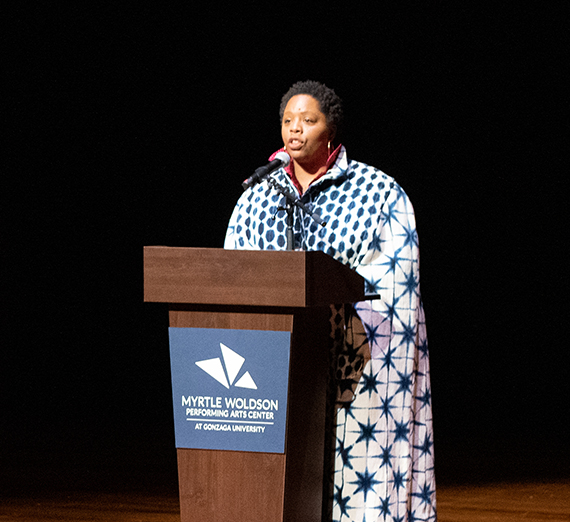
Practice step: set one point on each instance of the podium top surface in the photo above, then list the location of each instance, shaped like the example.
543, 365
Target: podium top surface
215, 276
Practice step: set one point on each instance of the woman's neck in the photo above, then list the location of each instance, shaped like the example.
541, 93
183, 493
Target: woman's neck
306, 172
305, 176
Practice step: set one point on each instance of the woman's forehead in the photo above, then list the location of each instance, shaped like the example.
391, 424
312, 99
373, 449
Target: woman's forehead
303, 103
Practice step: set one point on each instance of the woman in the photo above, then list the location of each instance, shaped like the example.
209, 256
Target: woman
383, 466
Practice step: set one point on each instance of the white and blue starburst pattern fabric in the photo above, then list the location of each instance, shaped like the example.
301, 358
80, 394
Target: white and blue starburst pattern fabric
383, 469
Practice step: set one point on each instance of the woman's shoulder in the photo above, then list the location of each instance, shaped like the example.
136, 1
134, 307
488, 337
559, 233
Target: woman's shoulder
378, 185
361, 173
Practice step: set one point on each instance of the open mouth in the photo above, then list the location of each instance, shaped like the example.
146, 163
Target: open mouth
294, 144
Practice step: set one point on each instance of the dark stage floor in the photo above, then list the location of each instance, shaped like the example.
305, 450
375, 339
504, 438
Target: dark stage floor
505, 502
489, 483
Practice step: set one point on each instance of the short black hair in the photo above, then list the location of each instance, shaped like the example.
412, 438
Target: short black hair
329, 101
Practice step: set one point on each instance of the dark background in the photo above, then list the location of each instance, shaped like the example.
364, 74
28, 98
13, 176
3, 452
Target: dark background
136, 127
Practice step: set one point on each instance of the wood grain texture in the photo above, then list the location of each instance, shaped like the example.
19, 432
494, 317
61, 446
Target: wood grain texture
230, 485
242, 277
214, 317
505, 502
219, 485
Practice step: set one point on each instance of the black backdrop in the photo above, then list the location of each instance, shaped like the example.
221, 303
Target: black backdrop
131, 128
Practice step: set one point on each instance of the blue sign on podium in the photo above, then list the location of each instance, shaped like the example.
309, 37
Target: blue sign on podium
230, 388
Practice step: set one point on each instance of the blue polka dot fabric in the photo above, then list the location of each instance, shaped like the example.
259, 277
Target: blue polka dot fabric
384, 459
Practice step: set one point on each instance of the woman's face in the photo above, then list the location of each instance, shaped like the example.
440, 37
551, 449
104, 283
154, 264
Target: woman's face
304, 130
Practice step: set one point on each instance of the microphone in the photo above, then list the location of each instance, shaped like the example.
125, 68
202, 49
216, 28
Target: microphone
282, 159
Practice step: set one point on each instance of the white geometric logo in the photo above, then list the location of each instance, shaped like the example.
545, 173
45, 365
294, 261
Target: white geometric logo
232, 362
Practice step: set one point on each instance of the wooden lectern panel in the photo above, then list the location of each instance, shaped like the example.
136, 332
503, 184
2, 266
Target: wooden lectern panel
265, 487
247, 278
230, 485
183, 317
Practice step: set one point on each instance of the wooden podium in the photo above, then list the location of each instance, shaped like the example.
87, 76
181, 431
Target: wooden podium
258, 290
